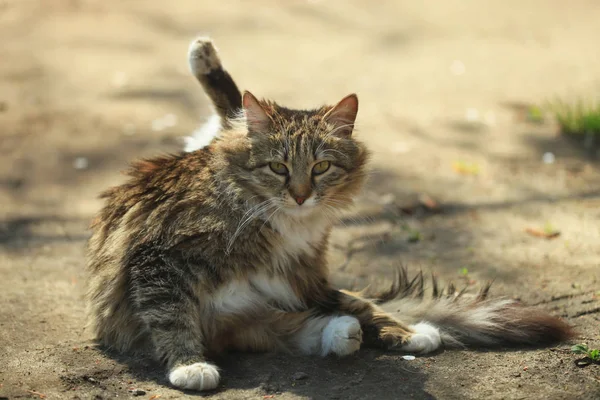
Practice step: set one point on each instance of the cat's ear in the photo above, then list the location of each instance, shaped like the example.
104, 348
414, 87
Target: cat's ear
343, 115
256, 117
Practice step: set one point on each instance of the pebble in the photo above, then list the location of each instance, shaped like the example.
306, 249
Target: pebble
548, 158
137, 392
298, 376
409, 358
81, 163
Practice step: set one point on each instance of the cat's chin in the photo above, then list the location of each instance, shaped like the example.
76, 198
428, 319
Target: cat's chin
300, 211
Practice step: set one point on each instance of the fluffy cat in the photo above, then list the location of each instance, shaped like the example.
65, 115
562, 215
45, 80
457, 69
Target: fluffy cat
224, 248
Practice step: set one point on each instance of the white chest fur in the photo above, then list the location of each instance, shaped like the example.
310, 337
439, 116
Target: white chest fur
258, 292
298, 237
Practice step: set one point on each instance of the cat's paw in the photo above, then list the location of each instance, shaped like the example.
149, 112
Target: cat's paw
425, 339
198, 376
341, 336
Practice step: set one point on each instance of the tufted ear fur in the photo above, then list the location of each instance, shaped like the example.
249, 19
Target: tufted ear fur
343, 115
257, 119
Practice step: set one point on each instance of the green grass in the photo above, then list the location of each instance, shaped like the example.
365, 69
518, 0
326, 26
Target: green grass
577, 119
593, 354
535, 114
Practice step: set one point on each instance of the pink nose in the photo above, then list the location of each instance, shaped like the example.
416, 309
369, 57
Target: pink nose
300, 200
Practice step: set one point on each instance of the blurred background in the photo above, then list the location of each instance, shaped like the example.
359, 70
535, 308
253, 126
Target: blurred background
483, 119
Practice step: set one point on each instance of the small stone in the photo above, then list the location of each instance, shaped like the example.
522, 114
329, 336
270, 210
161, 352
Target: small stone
137, 392
548, 158
298, 376
81, 163
408, 358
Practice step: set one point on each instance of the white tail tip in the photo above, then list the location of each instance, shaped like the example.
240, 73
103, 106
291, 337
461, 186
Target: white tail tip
202, 56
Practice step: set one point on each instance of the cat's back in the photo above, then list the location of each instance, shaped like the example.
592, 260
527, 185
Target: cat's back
156, 198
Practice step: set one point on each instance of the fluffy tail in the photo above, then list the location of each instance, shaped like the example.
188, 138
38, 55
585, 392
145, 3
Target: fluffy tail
465, 319
216, 81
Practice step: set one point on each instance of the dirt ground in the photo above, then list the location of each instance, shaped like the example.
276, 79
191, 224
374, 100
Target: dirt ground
87, 86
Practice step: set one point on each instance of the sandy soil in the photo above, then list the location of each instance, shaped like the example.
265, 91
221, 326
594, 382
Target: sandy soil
440, 82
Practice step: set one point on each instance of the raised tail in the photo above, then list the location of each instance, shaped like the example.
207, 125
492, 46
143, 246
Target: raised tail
216, 81
470, 320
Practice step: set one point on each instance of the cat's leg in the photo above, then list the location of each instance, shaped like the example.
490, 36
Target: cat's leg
165, 301
382, 330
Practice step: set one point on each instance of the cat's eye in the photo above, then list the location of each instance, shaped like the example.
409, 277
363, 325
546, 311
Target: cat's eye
278, 168
321, 167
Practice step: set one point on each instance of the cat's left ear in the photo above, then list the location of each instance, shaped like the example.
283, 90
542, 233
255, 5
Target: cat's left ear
343, 115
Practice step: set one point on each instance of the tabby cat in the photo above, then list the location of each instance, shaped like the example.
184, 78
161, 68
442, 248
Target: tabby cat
224, 247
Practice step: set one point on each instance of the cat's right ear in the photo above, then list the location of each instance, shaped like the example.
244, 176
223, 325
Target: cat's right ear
257, 119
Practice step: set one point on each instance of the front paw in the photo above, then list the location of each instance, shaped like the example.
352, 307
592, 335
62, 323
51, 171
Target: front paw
341, 336
198, 376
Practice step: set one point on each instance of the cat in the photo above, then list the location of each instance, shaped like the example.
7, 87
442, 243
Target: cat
223, 247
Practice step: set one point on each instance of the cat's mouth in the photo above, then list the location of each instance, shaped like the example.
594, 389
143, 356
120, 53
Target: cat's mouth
303, 210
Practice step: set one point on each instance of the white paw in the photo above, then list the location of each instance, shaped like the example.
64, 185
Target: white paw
198, 376
425, 339
341, 336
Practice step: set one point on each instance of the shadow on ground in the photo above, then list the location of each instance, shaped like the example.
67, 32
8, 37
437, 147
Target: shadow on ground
369, 375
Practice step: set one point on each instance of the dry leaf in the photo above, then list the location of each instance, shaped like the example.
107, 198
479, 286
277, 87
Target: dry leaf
156, 396
428, 202
542, 234
464, 168
40, 395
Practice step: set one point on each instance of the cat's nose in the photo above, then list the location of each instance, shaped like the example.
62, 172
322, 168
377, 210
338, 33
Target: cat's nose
300, 200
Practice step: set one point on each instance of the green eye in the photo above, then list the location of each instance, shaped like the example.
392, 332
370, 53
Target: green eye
321, 167
278, 168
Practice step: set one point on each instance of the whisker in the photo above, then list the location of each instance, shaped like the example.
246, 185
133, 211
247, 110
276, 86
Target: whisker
251, 214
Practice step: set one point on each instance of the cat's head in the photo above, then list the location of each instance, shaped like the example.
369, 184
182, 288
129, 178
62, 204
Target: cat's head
302, 162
